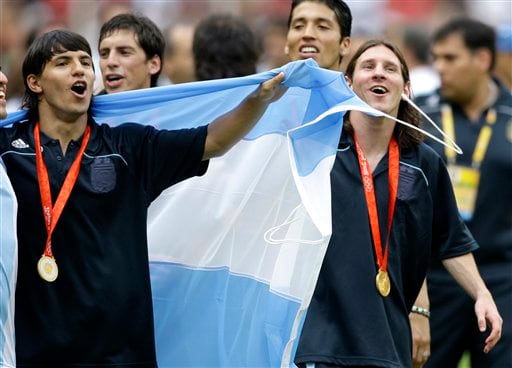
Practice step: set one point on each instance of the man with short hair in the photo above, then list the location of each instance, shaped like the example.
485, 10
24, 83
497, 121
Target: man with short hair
131, 49
319, 30
476, 111
83, 295
224, 47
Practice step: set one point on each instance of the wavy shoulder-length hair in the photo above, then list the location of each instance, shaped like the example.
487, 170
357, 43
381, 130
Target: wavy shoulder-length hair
407, 137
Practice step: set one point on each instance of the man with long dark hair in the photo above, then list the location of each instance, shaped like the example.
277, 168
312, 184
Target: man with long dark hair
392, 209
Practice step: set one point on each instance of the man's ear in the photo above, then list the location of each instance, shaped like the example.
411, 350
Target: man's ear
349, 82
286, 50
484, 59
33, 83
344, 46
407, 90
155, 64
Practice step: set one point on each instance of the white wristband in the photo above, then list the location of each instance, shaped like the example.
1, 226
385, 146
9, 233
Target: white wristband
419, 310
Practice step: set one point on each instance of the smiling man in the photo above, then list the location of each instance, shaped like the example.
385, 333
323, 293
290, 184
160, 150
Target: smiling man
131, 51
392, 208
83, 296
319, 30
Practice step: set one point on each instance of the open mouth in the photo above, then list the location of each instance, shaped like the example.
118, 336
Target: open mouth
308, 50
113, 78
79, 88
379, 90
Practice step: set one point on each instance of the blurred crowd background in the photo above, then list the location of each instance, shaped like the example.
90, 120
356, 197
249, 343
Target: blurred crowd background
410, 20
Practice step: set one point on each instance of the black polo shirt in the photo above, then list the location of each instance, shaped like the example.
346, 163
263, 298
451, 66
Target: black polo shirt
348, 322
491, 223
98, 312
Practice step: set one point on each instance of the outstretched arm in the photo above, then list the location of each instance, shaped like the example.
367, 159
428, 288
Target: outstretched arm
465, 272
228, 129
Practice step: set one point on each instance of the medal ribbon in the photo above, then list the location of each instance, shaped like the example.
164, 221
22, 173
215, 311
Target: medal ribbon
52, 213
371, 202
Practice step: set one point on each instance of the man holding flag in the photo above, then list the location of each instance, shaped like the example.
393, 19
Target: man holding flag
83, 293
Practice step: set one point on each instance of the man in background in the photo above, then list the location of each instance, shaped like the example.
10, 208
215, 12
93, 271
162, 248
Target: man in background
131, 49
503, 69
224, 47
416, 50
475, 111
179, 62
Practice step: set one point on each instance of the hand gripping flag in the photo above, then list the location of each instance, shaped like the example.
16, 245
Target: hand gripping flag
235, 254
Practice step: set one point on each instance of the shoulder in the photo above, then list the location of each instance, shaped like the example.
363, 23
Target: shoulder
127, 130
133, 134
504, 103
430, 102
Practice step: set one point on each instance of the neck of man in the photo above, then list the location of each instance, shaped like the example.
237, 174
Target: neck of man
373, 135
63, 128
486, 94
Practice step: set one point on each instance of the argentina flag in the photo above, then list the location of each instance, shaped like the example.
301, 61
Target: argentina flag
8, 269
235, 254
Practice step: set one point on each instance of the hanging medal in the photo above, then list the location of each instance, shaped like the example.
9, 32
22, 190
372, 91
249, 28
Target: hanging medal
382, 281
47, 266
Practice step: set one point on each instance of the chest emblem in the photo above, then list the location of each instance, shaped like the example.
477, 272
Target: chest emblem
19, 143
103, 175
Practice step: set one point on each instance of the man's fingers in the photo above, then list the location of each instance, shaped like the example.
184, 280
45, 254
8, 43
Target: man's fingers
271, 88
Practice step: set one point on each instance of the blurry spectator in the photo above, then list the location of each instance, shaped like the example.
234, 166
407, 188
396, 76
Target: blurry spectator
476, 112
178, 60
503, 69
273, 40
416, 50
108, 9
224, 47
131, 48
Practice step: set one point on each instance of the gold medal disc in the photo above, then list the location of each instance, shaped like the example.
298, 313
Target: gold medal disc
382, 282
47, 268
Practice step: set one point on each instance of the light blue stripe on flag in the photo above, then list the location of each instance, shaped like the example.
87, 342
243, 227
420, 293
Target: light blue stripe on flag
8, 269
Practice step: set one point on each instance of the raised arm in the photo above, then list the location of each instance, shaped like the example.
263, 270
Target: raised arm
227, 130
465, 272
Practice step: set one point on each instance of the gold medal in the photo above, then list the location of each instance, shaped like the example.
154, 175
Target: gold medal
47, 268
382, 282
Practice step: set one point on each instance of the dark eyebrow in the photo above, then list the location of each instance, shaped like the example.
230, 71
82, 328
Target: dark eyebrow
61, 57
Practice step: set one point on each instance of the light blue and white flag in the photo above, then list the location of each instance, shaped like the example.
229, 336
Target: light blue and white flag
8, 269
235, 254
